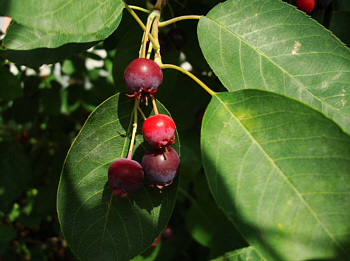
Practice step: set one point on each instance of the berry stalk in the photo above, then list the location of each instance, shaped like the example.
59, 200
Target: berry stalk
176, 19
154, 105
134, 128
146, 34
205, 87
138, 20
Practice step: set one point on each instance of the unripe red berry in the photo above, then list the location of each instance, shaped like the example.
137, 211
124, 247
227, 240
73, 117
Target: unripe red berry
305, 5
159, 130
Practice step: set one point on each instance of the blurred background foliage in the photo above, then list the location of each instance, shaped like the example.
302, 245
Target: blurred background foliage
43, 109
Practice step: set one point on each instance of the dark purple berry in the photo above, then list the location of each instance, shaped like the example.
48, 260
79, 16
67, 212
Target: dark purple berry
125, 176
161, 166
168, 233
142, 78
159, 130
179, 37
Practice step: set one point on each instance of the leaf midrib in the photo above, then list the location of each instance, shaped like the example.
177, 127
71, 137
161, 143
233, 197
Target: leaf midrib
283, 175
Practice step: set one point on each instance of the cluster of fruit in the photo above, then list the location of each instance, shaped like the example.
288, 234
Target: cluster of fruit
308, 5
161, 164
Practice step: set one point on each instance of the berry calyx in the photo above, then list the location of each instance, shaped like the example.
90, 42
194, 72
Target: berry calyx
161, 166
125, 176
159, 130
142, 78
305, 5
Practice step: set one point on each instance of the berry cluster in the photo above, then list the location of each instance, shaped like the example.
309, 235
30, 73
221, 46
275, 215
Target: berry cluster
161, 164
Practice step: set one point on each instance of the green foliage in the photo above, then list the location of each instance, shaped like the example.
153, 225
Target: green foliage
264, 175
86, 205
267, 45
295, 163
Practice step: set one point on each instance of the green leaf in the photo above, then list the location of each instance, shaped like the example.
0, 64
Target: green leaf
34, 47
269, 45
92, 20
226, 238
244, 254
96, 224
15, 174
7, 234
10, 85
281, 172
201, 220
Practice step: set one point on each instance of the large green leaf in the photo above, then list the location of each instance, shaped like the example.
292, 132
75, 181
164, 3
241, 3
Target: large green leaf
244, 254
15, 175
91, 20
98, 226
34, 47
281, 172
268, 44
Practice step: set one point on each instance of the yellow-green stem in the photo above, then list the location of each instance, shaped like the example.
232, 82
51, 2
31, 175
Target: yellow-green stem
154, 106
146, 34
139, 9
176, 19
205, 87
138, 20
134, 128
142, 114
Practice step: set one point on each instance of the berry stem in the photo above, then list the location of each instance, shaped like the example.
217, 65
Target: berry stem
141, 112
157, 56
134, 128
158, 4
138, 20
176, 19
153, 16
205, 87
145, 37
139, 9
154, 106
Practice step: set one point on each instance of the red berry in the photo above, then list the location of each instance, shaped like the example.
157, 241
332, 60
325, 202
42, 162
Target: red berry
125, 176
161, 166
159, 130
142, 78
156, 241
305, 5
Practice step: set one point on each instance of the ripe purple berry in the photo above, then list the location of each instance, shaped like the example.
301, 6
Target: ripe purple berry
142, 78
125, 176
159, 130
161, 166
